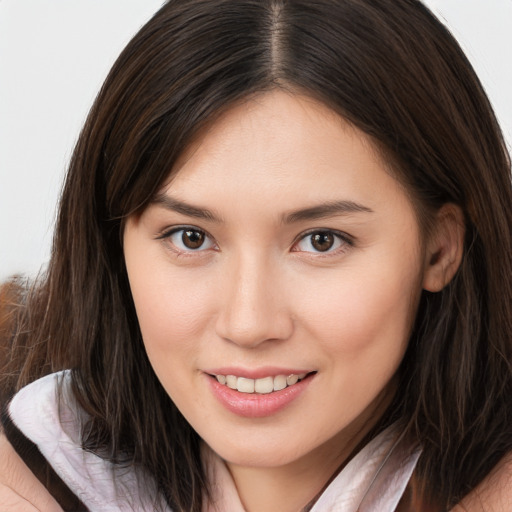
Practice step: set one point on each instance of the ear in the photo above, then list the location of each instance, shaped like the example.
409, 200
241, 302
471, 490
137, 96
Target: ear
444, 248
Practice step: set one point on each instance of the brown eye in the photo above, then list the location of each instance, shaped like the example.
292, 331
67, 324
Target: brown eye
189, 240
322, 241
192, 239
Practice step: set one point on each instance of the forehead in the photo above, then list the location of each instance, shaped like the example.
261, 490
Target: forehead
289, 148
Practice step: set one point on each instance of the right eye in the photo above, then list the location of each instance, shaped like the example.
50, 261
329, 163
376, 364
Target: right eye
322, 241
189, 239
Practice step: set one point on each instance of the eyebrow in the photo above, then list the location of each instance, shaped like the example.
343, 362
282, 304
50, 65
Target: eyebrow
175, 205
325, 210
320, 211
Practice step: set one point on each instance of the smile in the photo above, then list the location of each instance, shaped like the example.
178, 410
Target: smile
258, 393
261, 386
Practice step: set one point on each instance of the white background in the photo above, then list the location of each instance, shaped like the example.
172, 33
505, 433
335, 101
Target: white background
54, 54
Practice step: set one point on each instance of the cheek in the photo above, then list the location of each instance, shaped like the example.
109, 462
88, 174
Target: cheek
172, 320
171, 313
171, 307
367, 312
362, 329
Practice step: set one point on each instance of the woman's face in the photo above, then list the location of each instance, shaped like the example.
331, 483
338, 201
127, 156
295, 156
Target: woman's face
282, 249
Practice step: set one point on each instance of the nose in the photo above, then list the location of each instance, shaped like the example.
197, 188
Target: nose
253, 308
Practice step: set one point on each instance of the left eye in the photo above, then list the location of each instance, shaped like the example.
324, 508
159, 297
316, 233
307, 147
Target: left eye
190, 239
320, 241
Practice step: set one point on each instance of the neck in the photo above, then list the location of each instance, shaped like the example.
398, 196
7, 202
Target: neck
288, 488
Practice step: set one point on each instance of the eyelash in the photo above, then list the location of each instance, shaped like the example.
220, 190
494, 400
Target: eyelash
341, 240
186, 251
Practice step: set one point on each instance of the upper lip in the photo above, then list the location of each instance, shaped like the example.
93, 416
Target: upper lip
256, 373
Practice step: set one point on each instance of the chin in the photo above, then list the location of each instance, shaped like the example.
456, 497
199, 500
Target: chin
255, 455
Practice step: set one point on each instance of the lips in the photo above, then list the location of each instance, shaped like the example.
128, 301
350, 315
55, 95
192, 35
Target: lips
259, 393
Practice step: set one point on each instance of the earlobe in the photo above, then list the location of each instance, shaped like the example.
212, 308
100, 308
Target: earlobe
444, 248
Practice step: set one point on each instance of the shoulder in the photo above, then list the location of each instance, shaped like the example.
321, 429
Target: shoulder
18, 485
494, 493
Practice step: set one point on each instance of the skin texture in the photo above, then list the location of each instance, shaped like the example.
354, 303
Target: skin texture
258, 294
20, 490
494, 494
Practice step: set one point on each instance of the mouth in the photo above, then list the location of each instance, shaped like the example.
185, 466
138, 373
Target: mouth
262, 386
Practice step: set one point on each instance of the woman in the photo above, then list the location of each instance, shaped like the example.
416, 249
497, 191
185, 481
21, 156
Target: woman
281, 272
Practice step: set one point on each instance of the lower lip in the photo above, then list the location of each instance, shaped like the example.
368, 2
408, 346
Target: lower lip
254, 405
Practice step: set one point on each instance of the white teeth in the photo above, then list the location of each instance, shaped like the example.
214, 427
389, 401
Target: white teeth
292, 379
245, 385
262, 386
231, 381
279, 382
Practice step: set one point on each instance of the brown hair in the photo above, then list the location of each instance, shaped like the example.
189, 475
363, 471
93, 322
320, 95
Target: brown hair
391, 69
